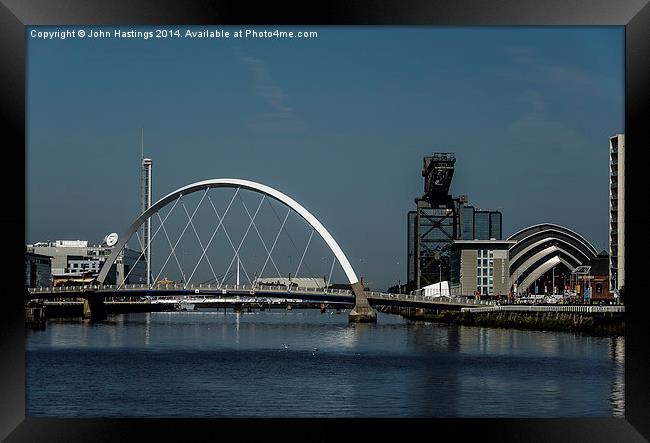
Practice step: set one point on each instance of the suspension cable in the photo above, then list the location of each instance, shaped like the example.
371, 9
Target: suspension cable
329, 279
228, 236
214, 233
180, 237
202, 248
242, 242
145, 249
275, 241
180, 268
291, 239
304, 252
262, 240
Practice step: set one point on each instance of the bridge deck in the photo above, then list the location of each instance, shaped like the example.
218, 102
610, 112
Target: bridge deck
199, 292
214, 291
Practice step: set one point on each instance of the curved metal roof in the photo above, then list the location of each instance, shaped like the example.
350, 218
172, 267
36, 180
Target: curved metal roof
541, 227
541, 246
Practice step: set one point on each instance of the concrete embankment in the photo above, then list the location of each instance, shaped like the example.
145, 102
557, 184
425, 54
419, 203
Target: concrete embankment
76, 309
592, 323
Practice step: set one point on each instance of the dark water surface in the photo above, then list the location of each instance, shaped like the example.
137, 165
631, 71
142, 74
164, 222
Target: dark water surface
212, 364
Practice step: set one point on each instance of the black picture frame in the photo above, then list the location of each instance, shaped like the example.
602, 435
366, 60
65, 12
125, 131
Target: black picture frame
16, 14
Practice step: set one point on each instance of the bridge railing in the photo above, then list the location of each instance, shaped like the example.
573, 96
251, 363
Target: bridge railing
537, 308
471, 305
181, 287
430, 299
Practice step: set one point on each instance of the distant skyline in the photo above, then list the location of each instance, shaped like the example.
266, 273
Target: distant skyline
340, 123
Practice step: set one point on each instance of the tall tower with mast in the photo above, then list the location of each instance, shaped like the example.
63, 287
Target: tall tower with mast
146, 187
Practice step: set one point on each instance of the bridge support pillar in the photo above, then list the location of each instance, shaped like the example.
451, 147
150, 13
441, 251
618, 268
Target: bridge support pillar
362, 312
94, 310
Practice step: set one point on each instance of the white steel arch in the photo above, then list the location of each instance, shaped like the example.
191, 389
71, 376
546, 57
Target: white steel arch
552, 227
231, 183
516, 273
543, 268
561, 245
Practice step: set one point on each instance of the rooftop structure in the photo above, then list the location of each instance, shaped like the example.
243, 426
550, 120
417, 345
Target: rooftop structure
438, 220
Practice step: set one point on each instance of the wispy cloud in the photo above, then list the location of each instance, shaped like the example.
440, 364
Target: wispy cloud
571, 79
281, 116
536, 127
540, 124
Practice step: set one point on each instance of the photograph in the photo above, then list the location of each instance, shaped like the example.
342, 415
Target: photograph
337, 224
325, 222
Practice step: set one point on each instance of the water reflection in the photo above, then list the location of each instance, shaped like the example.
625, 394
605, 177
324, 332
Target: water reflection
147, 329
617, 397
235, 364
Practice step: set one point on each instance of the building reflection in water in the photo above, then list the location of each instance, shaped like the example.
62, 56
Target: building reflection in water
494, 372
436, 386
147, 329
617, 396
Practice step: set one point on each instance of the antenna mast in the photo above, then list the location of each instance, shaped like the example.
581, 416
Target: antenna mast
146, 187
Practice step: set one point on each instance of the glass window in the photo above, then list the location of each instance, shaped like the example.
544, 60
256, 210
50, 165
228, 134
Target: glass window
485, 280
491, 272
478, 281
491, 262
491, 253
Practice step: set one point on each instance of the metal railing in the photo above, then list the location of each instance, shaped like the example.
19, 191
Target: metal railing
534, 308
471, 304
442, 300
225, 289
180, 287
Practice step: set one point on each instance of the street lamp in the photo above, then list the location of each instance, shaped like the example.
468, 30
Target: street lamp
553, 282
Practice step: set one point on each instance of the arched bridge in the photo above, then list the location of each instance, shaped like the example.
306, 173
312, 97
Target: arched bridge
199, 293
362, 311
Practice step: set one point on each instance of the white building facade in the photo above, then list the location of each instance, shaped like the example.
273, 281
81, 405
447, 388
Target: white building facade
75, 258
617, 211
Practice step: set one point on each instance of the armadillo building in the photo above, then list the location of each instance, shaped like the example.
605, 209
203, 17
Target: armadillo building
546, 247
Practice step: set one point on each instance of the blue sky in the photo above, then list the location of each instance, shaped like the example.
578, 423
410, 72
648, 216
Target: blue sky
339, 122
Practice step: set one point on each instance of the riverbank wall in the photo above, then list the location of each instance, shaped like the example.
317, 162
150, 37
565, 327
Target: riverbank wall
76, 309
604, 323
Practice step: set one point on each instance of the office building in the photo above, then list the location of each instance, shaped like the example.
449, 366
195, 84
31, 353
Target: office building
479, 224
617, 211
75, 261
480, 265
38, 270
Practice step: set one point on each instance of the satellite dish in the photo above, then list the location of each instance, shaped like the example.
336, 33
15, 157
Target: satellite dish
111, 239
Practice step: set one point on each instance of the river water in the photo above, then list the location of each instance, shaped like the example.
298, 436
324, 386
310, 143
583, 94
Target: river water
302, 362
